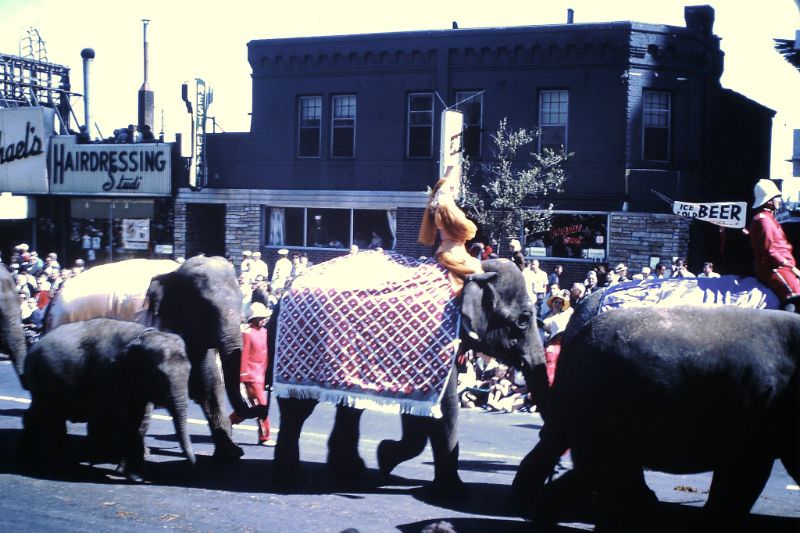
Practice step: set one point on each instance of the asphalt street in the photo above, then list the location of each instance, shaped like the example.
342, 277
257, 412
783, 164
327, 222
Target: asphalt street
241, 496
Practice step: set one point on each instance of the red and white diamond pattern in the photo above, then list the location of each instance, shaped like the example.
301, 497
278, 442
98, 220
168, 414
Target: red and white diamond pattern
370, 323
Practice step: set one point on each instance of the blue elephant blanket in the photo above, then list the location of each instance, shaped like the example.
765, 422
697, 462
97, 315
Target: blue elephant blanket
370, 330
725, 290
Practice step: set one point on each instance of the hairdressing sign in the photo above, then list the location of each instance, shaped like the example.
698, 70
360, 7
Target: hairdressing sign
138, 169
24, 133
725, 214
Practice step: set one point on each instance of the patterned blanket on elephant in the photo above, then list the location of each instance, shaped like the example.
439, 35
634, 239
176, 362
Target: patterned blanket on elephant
725, 290
372, 330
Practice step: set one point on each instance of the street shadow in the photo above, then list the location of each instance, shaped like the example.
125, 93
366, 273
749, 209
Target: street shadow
528, 426
13, 412
482, 466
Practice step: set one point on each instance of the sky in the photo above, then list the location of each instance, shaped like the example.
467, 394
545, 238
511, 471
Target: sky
208, 40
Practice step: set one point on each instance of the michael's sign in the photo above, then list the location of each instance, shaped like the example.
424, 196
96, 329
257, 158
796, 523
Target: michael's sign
24, 133
109, 169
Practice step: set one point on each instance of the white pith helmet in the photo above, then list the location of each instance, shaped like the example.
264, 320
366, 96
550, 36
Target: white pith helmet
764, 191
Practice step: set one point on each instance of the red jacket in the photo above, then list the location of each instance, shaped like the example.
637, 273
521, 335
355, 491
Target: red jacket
254, 355
771, 249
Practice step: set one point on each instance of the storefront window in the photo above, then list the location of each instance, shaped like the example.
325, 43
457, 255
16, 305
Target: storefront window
128, 221
329, 228
571, 235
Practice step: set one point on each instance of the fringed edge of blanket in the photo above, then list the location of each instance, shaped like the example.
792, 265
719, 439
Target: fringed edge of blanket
359, 400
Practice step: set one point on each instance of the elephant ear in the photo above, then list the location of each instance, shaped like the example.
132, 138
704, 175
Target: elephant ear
155, 296
479, 298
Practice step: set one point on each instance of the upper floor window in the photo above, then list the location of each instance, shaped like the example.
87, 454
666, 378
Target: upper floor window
553, 118
656, 108
472, 107
343, 124
419, 137
309, 120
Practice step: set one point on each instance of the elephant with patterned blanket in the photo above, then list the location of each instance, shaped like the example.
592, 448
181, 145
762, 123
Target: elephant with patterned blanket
496, 317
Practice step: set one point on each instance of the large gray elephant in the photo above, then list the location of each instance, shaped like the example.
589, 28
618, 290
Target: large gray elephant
12, 339
201, 301
104, 372
674, 389
497, 318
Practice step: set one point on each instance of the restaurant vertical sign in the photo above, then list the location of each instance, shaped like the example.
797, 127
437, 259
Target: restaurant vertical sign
24, 135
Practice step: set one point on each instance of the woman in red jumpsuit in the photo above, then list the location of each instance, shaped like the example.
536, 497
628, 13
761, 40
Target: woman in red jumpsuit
774, 263
254, 367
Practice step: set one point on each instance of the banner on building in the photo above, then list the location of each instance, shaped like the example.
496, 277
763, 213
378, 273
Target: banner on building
135, 233
24, 134
139, 169
725, 214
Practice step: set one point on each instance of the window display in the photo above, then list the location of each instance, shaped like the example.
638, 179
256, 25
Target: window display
571, 235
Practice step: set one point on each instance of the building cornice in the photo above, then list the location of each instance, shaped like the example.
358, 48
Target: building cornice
306, 198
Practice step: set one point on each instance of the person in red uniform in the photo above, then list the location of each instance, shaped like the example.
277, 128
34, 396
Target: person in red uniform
254, 367
774, 263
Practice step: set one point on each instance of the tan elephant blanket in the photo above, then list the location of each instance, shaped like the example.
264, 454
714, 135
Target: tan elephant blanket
371, 330
115, 290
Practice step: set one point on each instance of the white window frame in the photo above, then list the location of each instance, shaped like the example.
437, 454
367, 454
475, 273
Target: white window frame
546, 116
476, 96
662, 112
409, 124
300, 126
334, 118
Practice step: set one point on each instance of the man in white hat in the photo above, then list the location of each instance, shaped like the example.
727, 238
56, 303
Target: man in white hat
282, 271
258, 267
246, 266
774, 262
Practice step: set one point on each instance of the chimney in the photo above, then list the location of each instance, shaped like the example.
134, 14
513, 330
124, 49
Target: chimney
700, 19
146, 97
570, 16
88, 55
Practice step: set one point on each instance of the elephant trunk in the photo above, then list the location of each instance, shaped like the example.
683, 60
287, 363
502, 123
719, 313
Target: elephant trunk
12, 333
178, 409
231, 356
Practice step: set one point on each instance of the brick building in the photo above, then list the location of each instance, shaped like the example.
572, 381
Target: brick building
343, 139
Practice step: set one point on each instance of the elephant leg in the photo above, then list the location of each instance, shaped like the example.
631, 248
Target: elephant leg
206, 388
444, 443
735, 489
343, 456
294, 412
535, 469
414, 437
624, 501
132, 442
145, 425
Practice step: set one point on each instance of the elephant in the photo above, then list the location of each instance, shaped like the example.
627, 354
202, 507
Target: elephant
497, 318
199, 300
104, 372
12, 339
675, 389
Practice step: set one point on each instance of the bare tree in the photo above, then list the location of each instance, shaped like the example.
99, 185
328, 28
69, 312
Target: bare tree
506, 192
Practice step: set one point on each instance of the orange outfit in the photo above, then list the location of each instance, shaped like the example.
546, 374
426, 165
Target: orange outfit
454, 230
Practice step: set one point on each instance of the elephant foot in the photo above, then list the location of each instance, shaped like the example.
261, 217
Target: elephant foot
227, 451
349, 466
452, 489
387, 458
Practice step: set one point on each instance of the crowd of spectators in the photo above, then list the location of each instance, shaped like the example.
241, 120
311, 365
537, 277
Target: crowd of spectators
37, 282
256, 284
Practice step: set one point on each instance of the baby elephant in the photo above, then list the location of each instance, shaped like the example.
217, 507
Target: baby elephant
104, 372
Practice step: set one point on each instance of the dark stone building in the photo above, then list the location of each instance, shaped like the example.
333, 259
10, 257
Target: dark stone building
344, 139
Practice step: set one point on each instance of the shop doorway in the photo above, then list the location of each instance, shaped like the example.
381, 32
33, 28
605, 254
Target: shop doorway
205, 229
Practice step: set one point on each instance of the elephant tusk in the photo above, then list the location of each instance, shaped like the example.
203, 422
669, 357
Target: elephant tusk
474, 336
